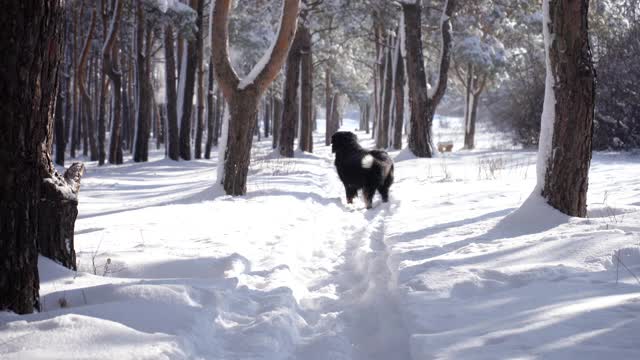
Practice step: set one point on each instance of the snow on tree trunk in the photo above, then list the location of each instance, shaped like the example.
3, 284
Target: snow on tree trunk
564, 152
423, 102
243, 95
30, 182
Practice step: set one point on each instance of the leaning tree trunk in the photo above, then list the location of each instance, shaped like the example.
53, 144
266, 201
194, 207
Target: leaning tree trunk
290, 97
243, 95
28, 86
567, 128
423, 104
171, 94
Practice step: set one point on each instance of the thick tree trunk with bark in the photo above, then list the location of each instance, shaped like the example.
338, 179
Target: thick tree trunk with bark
86, 108
189, 88
571, 69
143, 111
110, 67
306, 90
382, 138
290, 97
28, 86
200, 69
243, 95
399, 98
422, 103
171, 94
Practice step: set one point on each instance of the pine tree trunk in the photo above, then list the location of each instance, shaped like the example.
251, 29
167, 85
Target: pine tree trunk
143, 111
277, 116
467, 105
267, 115
240, 138
382, 139
399, 99
306, 90
328, 98
189, 88
570, 61
171, 94
28, 86
290, 97
59, 126
200, 69
423, 105
211, 114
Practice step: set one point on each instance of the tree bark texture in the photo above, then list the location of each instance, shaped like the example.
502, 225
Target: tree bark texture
243, 96
290, 97
382, 138
28, 86
189, 88
200, 68
211, 114
143, 88
570, 59
306, 90
422, 104
111, 68
399, 98
328, 98
171, 94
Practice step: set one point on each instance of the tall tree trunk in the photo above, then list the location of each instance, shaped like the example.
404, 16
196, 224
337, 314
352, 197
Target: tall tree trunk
336, 117
328, 98
399, 97
367, 117
211, 113
190, 80
171, 94
243, 95
28, 86
267, 115
568, 107
200, 67
467, 104
220, 109
306, 90
86, 99
423, 103
143, 111
277, 116
290, 97
382, 138
59, 124
110, 67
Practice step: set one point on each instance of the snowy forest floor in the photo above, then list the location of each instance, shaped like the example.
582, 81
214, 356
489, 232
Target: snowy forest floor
453, 267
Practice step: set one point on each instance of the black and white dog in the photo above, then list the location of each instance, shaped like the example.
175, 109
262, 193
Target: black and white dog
369, 170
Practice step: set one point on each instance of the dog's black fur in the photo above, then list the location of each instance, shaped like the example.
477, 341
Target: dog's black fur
369, 170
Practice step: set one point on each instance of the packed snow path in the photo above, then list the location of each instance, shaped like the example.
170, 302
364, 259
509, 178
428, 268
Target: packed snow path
170, 268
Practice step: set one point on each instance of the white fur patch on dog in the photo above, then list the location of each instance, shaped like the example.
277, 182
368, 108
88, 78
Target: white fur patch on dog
367, 162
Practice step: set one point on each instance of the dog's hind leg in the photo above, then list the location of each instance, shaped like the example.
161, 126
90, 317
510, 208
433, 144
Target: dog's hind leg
384, 188
351, 193
367, 194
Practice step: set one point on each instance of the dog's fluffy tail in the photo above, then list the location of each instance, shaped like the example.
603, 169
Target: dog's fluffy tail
367, 161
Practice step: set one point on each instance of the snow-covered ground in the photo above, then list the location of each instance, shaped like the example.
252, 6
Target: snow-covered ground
453, 267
